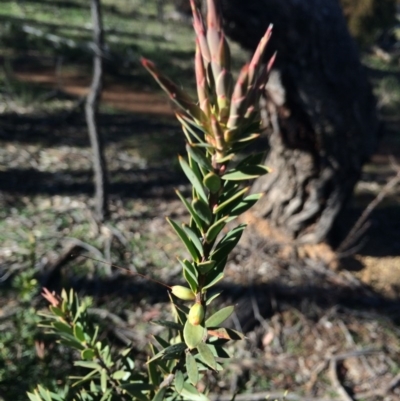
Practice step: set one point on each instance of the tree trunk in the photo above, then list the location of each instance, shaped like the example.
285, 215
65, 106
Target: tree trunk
319, 110
91, 109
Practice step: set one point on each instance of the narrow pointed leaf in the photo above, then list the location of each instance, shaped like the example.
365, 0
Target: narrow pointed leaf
192, 212
160, 394
194, 238
103, 380
205, 267
193, 335
207, 355
214, 280
120, 375
215, 229
190, 274
190, 393
175, 349
218, 351
185, 239
220, 316
230, 201
212, 297
191, 367
194, 180
202, 209
246, 173
228, 242
78, 333
88, 365
168, 324
154, 376
179, 379
246, 204
199, 156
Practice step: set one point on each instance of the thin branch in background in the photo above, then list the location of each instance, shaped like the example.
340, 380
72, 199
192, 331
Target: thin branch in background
361, 224
91, 110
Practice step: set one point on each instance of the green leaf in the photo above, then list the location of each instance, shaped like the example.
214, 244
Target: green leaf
207, 356
220, 316
213, 182
202, 210
175, 349
57, 311
194, 238
245, 173
34, 397
187, 125
169, 324
192, 212
88, 354
79, 334
215, 229
63, 327
193, 335
214, 280
199, 156
44, 393
179, 379
190, 393
135, 390
244, 206
228, 243
190, 274
218, 351
249, 138
192, 177
88, 365
120, 375
191, 367
85, 378
154, 376
253, 159
212, 297
172, 351
205, 267
161, 341
72, 343
103, 380
224, 205
160, 394
185, 239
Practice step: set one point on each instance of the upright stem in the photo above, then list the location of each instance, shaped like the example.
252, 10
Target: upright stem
91, 109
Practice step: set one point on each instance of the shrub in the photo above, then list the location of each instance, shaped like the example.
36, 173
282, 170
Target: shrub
223, 121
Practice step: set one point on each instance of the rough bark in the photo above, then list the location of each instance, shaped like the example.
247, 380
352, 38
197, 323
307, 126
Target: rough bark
319, 110
91, 110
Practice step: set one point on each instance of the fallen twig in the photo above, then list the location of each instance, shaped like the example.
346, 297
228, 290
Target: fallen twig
336, 382
266, 395
359, 227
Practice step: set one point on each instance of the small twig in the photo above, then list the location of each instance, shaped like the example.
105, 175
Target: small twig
265, 395
354, 233
336, 382
381, 392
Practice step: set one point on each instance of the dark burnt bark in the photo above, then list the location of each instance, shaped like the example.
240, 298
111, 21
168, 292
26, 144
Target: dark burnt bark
319, 109
91, 110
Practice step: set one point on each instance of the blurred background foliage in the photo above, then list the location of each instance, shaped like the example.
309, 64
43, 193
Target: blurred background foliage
367, 19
